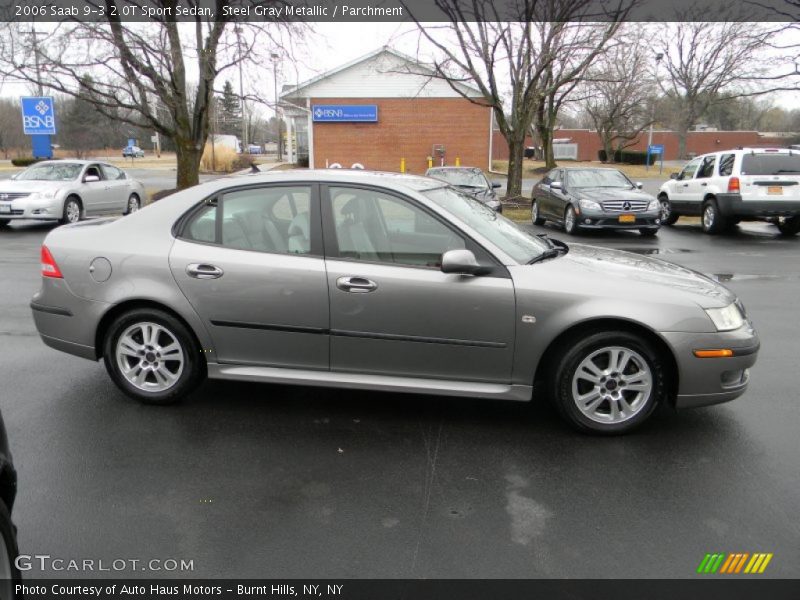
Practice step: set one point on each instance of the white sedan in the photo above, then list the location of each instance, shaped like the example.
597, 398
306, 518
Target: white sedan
67, 191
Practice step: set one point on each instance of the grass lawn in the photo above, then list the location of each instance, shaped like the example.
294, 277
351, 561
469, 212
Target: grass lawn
536, 168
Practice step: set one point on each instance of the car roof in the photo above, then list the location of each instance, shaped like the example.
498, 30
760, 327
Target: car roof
357, 176
74, 161
588, 169
450, 168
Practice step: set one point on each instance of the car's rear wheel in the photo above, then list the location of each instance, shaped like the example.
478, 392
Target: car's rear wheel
712, 221
668, 216
788, 225
608, 382
133, 204
571, 221
536, 218
152, 356
9, 574
73, 211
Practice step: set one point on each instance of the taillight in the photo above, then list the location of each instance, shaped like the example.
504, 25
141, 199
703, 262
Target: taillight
49, 266
733, 185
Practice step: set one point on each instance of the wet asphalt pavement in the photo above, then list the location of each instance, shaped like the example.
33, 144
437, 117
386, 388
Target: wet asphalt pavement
251, 480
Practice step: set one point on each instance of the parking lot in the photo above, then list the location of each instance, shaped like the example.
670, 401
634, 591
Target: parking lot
251, 480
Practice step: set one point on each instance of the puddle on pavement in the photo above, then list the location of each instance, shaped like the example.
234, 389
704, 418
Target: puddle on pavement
650, 251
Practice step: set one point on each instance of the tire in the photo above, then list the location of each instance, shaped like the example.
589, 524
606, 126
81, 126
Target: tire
711, 220
73, 211
536, 219
598, 348
134, 204
4, 222
9, 574
651, 232
571, 221
668, 216
165, 380
789, 226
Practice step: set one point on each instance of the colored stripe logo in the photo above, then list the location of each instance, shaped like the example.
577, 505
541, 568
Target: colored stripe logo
734, 563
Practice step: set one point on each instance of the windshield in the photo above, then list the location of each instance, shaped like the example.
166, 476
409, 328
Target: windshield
770, 164
597, 178
502, 232
462, 177
51, 172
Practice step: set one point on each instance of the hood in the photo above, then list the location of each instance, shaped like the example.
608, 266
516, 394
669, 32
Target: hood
631, 276
11, 185
482, 194
601, 194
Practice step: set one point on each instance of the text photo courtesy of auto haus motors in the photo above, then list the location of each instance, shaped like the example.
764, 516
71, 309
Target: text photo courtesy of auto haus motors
350, 293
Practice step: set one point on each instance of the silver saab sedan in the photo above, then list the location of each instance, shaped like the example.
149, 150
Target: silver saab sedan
390, 283
67, 191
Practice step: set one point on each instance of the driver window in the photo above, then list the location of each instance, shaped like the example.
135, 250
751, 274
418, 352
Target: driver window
92, 170
377, 227
688, 170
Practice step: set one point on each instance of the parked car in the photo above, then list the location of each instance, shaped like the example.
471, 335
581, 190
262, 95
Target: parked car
594, 198
470, 180
67, 191
385, 282
132, 152
727, 187
9, 574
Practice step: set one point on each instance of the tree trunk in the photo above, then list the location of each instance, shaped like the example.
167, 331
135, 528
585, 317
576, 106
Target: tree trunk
516, 153
608, 148
682, 135
188, 156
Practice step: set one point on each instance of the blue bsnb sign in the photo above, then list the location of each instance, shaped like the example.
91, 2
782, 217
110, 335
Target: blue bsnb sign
38, 115
344, 113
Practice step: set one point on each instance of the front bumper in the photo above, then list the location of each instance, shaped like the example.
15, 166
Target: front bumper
706, 381
46, 208
594, 219
733, 205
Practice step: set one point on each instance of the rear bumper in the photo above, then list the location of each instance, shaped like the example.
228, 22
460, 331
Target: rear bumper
733, 205
706, 381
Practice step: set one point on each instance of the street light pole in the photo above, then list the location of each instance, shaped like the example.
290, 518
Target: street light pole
275, 59
659, 56
238, 31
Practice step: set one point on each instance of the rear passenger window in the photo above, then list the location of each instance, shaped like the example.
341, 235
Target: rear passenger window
726, 164
706, 167
202, 227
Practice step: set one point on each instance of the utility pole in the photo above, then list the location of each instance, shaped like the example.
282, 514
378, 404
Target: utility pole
275, 58
238, 31
659, 56
33, 34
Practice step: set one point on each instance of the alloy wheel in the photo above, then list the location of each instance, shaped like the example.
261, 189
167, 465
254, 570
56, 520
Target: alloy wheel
709, 216
73, 212
150, 357
569, 220
666, 210
133, 204
612, 385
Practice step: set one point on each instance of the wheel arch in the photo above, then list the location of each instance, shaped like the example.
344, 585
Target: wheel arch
587, 327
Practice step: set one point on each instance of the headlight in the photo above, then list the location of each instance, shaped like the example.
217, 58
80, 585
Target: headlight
589, 205
654, 205
726, 319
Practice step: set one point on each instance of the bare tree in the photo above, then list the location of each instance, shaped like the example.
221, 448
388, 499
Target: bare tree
510, 52
159, 74
707, 63
619, 86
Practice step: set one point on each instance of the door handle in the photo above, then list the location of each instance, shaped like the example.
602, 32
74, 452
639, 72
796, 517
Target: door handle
356, 285
704, 184
685, 185
204, 271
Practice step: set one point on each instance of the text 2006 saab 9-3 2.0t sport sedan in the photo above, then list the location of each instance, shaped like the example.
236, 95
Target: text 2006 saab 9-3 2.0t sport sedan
384, 282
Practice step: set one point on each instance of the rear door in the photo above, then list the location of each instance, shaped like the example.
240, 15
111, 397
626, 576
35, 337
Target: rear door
393, 311
250, 262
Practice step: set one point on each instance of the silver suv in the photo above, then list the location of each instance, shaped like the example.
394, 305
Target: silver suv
736, 185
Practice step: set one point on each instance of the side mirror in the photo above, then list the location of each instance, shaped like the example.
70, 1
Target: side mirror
556, 185
90, 178
673, 176
496, 184
462, 262
639, 185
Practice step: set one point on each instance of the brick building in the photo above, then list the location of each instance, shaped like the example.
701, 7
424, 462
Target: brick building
380, 109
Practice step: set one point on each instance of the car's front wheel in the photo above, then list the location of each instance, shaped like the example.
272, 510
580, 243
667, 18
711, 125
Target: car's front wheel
133, 204
609, 382
571, 221
73, 211
536, 217
788, 225
152, 356
9, 574
668, 216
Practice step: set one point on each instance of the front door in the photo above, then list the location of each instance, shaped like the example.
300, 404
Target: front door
393, 312
250, 263
94, 192
681, 196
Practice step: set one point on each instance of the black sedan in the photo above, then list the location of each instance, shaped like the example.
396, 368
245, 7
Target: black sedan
9, 574
470, 180
594, 198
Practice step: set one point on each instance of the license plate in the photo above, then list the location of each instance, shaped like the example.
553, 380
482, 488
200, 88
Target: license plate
775, 190
627, 218
5, 209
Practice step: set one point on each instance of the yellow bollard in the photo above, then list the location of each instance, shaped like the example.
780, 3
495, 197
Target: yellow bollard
458, 161
430, 162
402, 165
